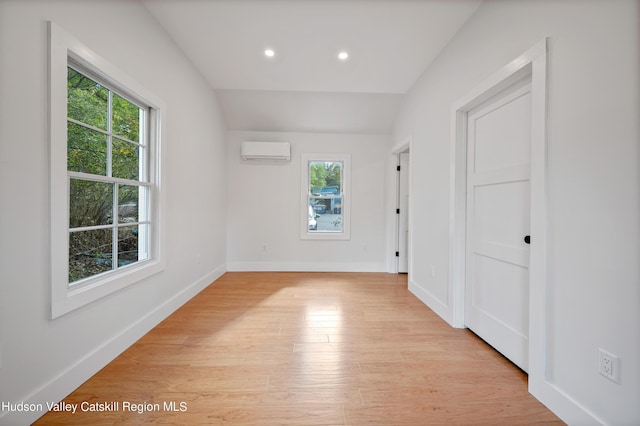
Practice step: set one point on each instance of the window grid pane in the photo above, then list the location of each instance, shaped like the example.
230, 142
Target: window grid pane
125, 119
125, 157
86, 150
90, 203
87, 101
128, 251
128, 203
90, 253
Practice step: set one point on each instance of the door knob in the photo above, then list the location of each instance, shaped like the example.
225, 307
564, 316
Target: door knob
527, 239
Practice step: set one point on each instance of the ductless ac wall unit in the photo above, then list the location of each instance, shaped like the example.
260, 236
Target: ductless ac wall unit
265, 151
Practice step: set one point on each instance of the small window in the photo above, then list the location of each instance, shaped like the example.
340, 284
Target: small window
325, 196
105, 193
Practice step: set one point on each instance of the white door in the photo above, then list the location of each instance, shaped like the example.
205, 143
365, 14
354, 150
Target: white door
403, 215
498, 213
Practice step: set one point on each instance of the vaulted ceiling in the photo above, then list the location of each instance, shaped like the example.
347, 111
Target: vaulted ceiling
304, 86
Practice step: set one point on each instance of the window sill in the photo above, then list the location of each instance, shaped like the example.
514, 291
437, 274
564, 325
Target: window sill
91, 290
325, 236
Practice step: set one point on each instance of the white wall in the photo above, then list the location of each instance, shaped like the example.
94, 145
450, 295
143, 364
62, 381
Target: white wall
264, 206
43, 359
593, 296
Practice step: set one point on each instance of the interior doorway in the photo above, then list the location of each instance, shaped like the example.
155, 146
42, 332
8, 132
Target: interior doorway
497, 226
402, 211
400, 207
529, 67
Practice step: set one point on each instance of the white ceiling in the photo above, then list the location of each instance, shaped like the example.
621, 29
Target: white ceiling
305, 87
289, 111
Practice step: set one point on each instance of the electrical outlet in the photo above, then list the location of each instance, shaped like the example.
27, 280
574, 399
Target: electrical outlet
198, 259
609, 365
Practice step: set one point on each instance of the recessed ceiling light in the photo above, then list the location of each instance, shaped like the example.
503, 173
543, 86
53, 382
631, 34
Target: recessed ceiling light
269, 53
343, 56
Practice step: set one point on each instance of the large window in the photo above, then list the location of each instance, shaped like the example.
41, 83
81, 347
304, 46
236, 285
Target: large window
105, 209
325, 196
107, 149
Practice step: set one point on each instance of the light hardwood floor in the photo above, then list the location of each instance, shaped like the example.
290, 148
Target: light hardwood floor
309, 349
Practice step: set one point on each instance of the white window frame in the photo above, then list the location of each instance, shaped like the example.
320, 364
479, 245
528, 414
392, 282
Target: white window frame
64, 48
305, 193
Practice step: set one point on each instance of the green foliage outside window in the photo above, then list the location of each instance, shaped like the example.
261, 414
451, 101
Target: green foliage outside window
324, 174
103, 136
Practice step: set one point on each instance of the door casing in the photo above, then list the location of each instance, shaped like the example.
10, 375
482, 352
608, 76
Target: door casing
403, 147
403, 215
531, 63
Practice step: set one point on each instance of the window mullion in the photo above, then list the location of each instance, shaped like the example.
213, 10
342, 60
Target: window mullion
114, 214
109, 135
143, 171
87, 126
90, 228
120, 225
99, 178
123, 139
116, 219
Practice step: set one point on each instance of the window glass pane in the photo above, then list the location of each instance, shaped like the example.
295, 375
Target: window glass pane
125, 159
90, 203
325, 178
87, 101
129, 245
126, 118
89, 253
143, 241
327, 214
325, 199
128, 202
86, 150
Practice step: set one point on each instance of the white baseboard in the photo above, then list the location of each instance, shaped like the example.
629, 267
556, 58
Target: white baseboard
563, 405
435, 304
68, 380
305, 267
558, 401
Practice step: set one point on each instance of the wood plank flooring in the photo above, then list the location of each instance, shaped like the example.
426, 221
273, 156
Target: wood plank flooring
307, 349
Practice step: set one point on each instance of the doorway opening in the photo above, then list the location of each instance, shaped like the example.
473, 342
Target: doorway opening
402, 211
402, 223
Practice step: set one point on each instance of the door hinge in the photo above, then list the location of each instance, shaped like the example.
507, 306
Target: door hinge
398, 168
397, 254
397, 211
